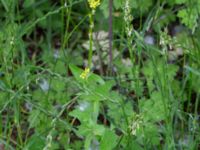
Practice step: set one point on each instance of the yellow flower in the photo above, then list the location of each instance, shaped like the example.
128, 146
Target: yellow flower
94, 3
84, 74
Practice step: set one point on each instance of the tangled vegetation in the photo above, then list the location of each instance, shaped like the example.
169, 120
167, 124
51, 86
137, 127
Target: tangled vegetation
99, 75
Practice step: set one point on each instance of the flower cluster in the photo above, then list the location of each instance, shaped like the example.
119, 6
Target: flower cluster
136, 123
84, 74
94, 3
128, 18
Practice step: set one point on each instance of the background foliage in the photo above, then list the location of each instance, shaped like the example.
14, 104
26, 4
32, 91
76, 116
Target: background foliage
150, 101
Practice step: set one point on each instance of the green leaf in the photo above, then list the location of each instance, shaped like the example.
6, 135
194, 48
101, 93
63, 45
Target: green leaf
95, 78
91, 128
2, 85
35, 142
5, 5
109, 140
88, 140
60, 67
118, 4
154, 109
180, 1
150, 132
189, 19
58, 85
144, 5
104, 8
98, 130
75, 71
133, 145
92, 78
83, 112
159, 73
28, 3
34, 118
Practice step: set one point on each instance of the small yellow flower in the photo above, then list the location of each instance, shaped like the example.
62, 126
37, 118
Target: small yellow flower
84, 74
94, 3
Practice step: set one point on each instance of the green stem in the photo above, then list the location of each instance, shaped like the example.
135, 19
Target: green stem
90, 39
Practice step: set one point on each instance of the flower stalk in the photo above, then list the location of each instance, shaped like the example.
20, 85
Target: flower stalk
93, 4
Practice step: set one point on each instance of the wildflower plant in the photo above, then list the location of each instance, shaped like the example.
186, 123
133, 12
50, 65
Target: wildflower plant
85, 74
136, 124
93, 4
128, 19
149, 102
128, 27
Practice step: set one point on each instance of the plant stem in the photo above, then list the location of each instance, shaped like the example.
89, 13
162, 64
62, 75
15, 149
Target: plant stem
110, 33
91, 38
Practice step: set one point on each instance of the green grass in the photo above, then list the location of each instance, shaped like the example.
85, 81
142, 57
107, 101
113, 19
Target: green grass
138, 98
